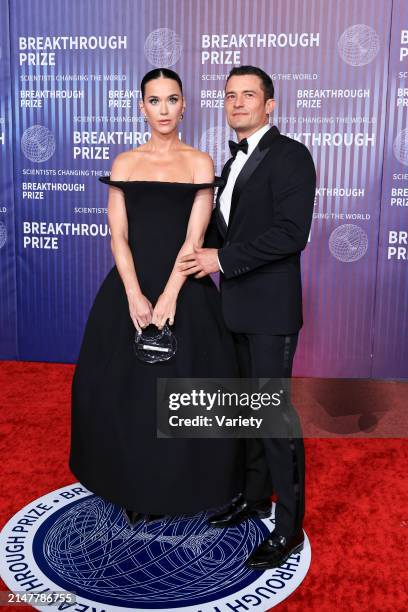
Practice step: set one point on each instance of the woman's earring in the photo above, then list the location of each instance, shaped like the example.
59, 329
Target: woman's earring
181, 116
145, 119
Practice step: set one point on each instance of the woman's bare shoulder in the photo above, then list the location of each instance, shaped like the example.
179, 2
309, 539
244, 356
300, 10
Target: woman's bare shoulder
122, 165
198, 157
201, 165
202, 160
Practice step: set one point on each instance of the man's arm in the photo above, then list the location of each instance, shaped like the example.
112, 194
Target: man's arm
293, 217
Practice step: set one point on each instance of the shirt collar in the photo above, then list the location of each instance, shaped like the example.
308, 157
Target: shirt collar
254, 138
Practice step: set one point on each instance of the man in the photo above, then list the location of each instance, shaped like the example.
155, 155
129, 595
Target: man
259, 227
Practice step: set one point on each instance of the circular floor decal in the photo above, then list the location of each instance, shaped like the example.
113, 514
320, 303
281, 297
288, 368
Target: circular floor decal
72, 540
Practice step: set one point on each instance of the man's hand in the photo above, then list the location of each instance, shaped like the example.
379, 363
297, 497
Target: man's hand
200, 263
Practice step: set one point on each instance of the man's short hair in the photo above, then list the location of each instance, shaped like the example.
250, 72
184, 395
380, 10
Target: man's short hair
266, 80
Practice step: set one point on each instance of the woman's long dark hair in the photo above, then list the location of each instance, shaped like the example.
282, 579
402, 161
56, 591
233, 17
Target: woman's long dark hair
156, 74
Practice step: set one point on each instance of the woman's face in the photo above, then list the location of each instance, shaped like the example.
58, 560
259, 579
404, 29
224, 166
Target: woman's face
163, 104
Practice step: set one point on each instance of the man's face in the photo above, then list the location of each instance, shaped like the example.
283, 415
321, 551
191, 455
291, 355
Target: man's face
244, 102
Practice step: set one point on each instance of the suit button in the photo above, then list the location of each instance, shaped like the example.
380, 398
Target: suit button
227, 243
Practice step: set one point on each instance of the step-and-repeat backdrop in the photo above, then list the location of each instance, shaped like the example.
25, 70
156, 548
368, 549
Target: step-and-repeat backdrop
70, 77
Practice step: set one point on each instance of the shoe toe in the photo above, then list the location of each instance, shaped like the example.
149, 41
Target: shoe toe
151, 518
131, 516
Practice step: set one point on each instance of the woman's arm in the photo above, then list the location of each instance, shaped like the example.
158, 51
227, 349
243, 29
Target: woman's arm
199, 218
139, 306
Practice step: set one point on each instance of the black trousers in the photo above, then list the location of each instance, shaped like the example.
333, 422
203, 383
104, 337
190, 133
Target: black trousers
275, 464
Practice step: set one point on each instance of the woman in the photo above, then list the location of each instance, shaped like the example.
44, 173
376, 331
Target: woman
160, 202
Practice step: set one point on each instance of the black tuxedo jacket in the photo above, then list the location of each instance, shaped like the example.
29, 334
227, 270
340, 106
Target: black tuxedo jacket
271, 213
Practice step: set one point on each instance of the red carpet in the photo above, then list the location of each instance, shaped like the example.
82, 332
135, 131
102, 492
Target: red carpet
356, 502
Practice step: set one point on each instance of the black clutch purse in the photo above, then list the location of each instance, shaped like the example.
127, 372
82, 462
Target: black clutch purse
154, 347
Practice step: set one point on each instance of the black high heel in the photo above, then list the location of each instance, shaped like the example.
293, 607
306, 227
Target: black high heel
150, 518
132, 516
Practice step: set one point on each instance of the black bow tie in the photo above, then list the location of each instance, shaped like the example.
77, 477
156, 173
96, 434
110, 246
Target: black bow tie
242, 145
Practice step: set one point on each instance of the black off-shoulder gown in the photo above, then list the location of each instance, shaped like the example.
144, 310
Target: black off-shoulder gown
115, 452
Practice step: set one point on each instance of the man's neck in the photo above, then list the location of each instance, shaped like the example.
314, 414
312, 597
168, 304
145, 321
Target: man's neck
247, 133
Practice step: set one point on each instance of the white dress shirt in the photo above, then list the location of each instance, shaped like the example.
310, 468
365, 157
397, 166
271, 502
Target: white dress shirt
235, 169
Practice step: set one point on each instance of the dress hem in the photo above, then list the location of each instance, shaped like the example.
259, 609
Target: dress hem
157, 510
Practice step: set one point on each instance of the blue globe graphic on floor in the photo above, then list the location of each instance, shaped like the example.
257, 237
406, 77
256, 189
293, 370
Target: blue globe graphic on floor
89, 548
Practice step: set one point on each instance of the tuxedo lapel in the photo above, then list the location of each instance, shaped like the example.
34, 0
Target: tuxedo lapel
222, 226
250, 166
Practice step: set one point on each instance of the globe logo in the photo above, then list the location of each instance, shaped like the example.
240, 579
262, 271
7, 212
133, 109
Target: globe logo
82, 545
215, 142
162, 47
358, 45
90, 549
400, 147
348, 243
3, 234
38, 143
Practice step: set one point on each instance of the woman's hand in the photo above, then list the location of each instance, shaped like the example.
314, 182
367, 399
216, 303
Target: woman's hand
140, 310
165, 309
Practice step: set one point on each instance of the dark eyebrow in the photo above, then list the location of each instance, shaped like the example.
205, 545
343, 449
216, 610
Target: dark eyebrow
245, 91
169, 96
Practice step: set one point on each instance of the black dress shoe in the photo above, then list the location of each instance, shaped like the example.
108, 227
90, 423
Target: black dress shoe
240, 510
275, 550
132, 516
150, 518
